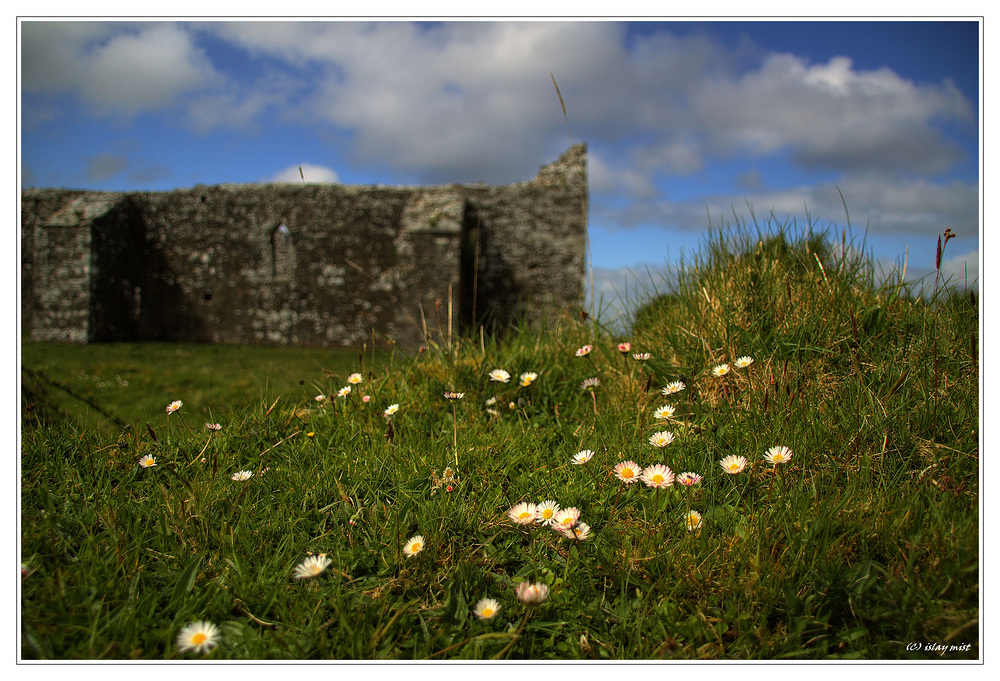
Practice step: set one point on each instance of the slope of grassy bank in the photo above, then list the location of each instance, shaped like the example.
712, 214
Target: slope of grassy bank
864, 544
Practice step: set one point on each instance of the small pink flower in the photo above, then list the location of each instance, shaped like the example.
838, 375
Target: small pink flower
624, 348
585, 350
366, 398
688, 479
532, 594
565, 518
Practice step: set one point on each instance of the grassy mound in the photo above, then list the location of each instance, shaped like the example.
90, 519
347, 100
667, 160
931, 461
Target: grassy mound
862, 545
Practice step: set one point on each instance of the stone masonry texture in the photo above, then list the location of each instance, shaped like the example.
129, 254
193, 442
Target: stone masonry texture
316, 265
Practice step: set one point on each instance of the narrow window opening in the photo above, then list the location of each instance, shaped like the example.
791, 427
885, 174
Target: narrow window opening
282, 253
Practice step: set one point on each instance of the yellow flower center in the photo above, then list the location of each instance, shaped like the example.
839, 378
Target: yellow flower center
627, 473
524, 515
657, 478
487, 612
198, 638
734, 467
416, 547
547, 513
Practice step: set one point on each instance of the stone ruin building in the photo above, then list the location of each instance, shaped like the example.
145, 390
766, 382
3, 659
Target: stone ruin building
316, 265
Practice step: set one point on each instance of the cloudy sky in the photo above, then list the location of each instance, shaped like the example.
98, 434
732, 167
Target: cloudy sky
686, 123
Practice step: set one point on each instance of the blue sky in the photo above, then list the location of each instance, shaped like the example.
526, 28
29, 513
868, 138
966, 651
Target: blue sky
683, 120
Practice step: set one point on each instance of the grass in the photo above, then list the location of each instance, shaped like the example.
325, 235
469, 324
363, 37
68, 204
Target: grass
863, 545
118, 383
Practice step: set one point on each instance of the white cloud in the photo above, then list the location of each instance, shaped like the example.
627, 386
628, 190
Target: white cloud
621, 179
961, 269
103, 166
891, 206
465, 101
832, 116
145, 70
310, 174
116, 69
438, 98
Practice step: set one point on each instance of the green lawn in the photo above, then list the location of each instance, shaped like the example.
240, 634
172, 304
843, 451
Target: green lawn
133, 381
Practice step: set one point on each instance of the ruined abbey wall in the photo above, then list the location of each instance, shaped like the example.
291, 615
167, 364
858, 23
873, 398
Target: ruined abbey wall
285, 264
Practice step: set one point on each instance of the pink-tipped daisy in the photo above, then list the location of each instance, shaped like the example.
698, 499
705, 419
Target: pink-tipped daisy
779, 454
344, 392
354, 379
661, 438
213, 426
242, 475
147, 461
584, 351
628, 472
532, 594
688, 479
733, 464
624, 347
524, 513
454, 396
174, 406
642, 356
590, 384
565, 518
657, 475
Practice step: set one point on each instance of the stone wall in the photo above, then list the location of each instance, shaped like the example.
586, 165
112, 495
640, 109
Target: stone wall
322, 265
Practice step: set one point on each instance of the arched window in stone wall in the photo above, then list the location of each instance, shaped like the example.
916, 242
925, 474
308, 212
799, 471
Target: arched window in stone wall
282, 253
